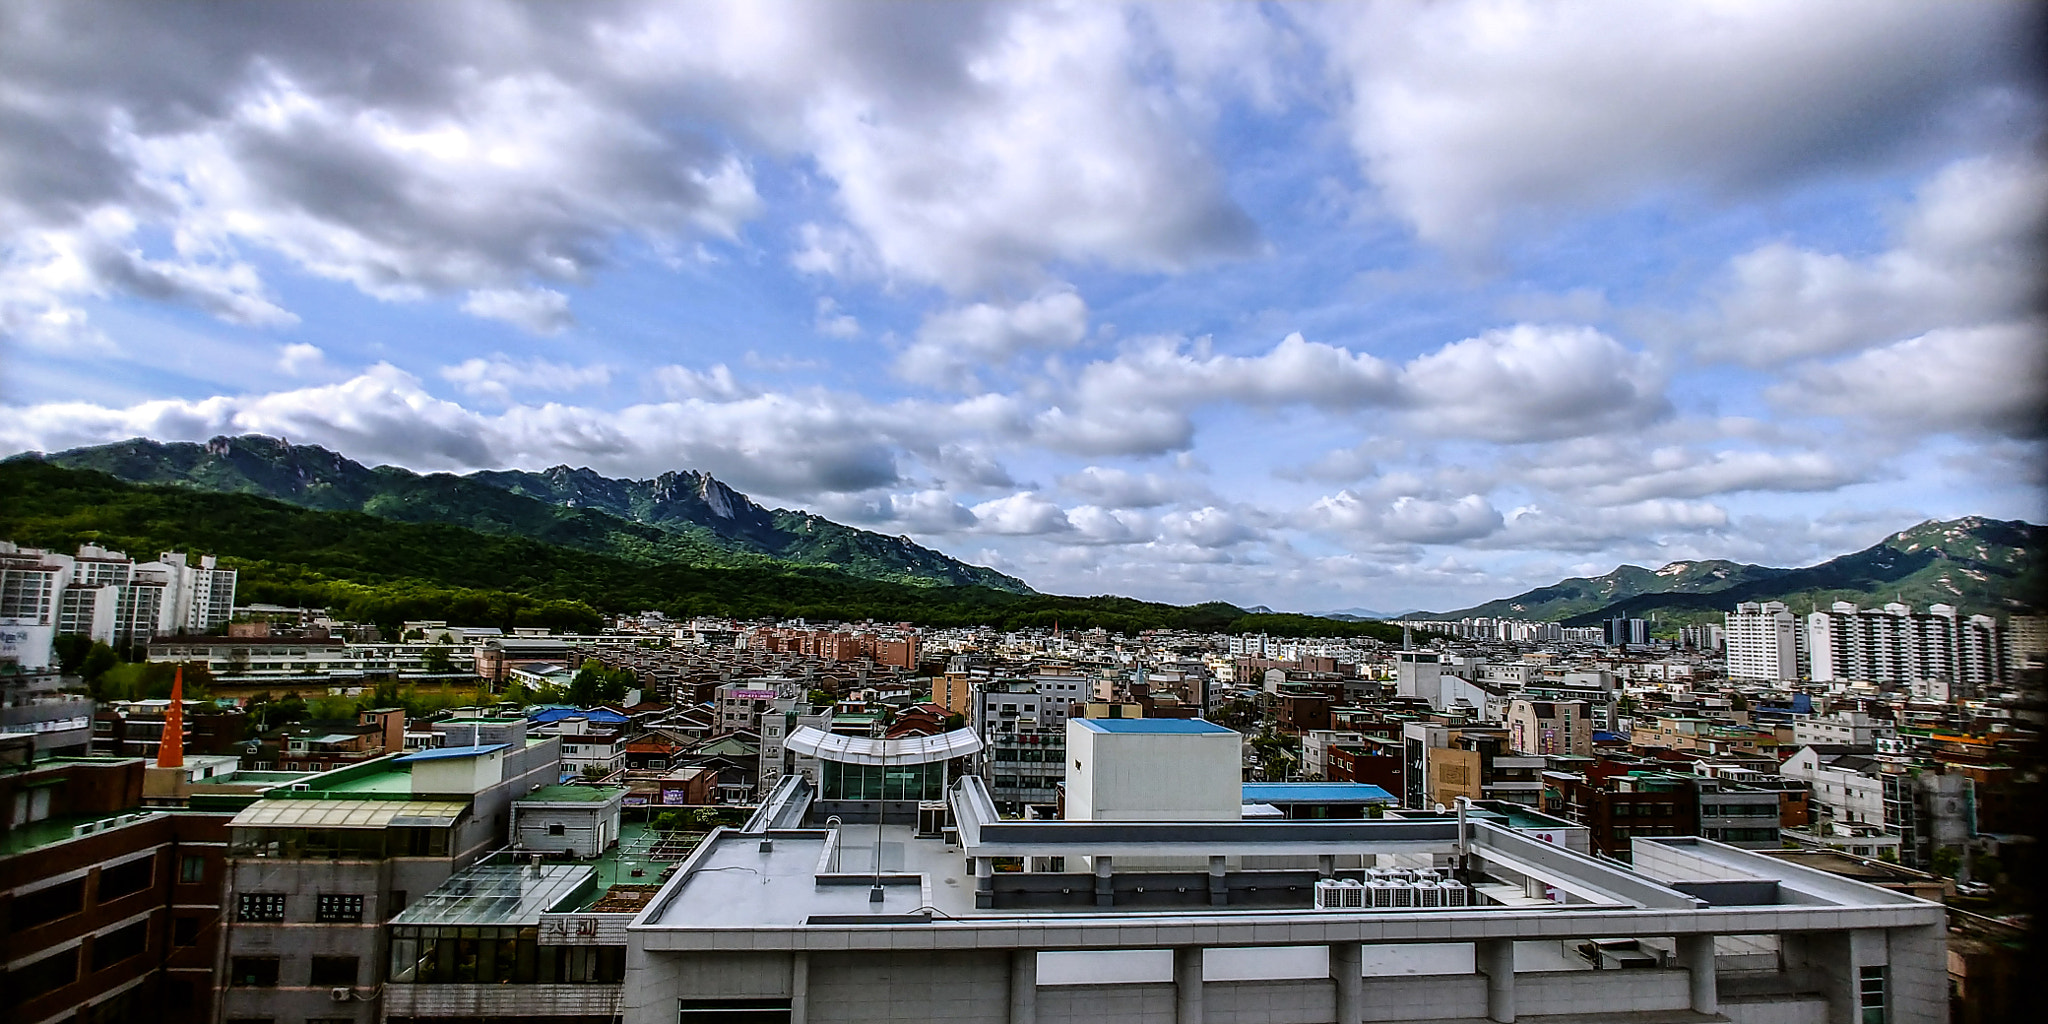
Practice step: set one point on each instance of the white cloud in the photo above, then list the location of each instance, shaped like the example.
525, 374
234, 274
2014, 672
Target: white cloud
1021, 514
1406, 519
1469, 115
952, 344
500, 375
534, 310
715, 383
1207, 527
1966, 254
1097, 525
1970, 380
1562, 527
832, 323
1531, 383
1118, 488
299, 359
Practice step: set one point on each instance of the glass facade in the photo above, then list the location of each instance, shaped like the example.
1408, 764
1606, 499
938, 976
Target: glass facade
506, 954
884, 782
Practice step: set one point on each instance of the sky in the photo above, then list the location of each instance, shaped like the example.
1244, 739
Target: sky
1366, 306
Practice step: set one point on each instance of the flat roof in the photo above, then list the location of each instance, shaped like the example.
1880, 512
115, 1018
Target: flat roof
1315, 792
1151, 725
560, 794
867, 750
451, 753
501, 894
367, 814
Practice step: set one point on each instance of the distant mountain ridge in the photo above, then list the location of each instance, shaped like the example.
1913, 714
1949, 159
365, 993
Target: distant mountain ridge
1977, 564
685, 516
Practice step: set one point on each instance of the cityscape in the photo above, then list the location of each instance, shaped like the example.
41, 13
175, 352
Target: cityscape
818, 511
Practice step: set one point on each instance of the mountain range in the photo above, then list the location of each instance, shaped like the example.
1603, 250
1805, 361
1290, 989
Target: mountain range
1978, 565
686, 517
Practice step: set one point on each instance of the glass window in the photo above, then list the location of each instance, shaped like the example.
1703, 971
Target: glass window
46, 975
48, 904
116, 946
1870, 994
253, 971
332, 970
191, 869
124, 879
338, 907
260, 906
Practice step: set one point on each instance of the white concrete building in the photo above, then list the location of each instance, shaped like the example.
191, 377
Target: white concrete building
1847, 787
1153, 769
1762, 642
805, 922
1897, 645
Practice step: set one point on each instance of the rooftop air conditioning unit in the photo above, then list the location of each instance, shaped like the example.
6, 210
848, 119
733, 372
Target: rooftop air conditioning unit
1339, 894
339, 995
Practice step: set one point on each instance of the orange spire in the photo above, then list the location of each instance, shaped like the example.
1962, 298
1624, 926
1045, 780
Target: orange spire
171, 752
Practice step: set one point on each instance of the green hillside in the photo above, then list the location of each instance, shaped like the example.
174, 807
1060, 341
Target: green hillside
371, 569
679, 517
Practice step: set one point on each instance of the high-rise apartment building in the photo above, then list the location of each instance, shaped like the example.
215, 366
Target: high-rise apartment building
105, 595
1762, 642
1897, 645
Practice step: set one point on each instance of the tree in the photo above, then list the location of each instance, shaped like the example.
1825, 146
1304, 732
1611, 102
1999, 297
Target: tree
1945, 862
98, 660
71, 650
436, 661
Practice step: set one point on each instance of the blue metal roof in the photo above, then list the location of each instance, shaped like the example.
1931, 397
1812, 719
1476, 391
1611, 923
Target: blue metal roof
1315, 793
1149, 725
450, 753
556, 714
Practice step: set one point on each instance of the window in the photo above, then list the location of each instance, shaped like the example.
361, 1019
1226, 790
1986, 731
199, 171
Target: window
558, 829
337, 907
184, 931
123, 879
45, 975
48, 904
1870, 994
332, 970
260, 906
116, 946
191, 869
253, 971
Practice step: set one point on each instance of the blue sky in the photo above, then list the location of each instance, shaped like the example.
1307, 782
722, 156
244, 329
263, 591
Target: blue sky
1321, 307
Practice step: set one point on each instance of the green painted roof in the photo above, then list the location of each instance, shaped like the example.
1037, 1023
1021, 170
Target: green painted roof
573, 794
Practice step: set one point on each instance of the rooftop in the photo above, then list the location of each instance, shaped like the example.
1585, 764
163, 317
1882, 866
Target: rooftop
451, 753
1316, 792
560, 794
1150, 725
496, 893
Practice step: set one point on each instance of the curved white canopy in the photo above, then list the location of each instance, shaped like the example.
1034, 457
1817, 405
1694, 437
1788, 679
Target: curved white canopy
827, 746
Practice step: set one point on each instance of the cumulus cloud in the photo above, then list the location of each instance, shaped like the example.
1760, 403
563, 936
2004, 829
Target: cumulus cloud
500, 375
716, 383
1530, 383
505, 150
534, 310
1563, 527
952, 344
1977, 380
832, 323
299, 359
1468, 115
1406, 519
1965, 255
1118, 488
1524, 383
1022, 514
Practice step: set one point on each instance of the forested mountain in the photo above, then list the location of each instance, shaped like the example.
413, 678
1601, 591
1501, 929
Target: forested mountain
1979, 565
368, 568
683, 517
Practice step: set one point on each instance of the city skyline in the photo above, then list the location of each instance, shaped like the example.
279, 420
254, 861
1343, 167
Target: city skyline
1307, 307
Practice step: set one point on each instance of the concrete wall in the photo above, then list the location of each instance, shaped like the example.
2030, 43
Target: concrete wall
1137, 776
882, 988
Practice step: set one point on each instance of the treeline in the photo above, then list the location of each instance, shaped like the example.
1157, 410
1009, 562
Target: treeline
369, 569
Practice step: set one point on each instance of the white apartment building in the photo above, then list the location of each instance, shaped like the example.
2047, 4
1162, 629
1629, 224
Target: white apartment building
1897, 645
1847, 788
1848, 729
104, 595
1762, 642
